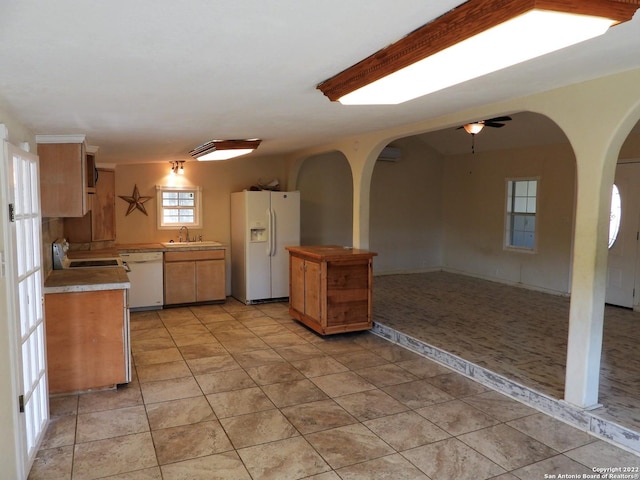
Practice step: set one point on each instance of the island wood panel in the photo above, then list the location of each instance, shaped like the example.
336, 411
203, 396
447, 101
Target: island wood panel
297, 283
330, 288
85, 340
348, 294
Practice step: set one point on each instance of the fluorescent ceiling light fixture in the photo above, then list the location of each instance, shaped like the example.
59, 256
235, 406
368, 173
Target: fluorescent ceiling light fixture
224, 149
474, 39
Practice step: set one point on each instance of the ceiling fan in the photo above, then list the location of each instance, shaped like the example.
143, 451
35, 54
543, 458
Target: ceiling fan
474, 128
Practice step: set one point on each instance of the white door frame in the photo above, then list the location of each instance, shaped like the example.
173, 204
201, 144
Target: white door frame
19, 306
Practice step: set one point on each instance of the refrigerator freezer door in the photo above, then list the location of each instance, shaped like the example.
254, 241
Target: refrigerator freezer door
285, 208
258, 263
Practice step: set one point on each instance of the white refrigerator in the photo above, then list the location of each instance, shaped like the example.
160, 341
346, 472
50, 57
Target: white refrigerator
262, 224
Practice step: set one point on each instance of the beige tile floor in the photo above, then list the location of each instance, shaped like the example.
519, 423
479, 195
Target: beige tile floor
244, 392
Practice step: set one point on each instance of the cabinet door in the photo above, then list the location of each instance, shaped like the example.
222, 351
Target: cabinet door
103, 214
85, 346
312, 291
210, 280
63, 190
179, 282
296, 279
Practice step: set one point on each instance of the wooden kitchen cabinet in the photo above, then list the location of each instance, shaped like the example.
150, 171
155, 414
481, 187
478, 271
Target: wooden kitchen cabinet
100, 223
331, 288
194, 276
67, 176
103, 209
87, 340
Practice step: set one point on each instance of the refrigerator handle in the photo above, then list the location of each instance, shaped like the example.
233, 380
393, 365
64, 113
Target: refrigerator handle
272, 233
269, 228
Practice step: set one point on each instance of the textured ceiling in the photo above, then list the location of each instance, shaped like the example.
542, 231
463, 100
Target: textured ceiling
148, 80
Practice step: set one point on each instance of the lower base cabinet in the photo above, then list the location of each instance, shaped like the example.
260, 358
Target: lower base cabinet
87, 340
194, 276
330, 288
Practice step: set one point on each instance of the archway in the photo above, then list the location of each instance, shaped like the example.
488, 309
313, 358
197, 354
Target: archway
326, 192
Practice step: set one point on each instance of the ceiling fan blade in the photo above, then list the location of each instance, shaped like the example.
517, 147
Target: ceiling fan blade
498, 119
493, 124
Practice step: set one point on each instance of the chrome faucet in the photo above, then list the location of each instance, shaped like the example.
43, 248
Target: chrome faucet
180, 233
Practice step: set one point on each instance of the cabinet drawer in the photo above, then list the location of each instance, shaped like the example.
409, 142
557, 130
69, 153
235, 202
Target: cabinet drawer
194, 255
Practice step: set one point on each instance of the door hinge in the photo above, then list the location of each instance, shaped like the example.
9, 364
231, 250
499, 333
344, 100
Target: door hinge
12, 214
21, 402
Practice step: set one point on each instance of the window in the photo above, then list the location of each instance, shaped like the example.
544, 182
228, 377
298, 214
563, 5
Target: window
178, 206
521, 213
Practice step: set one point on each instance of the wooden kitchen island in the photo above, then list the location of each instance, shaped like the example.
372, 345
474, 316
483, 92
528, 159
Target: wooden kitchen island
330, 288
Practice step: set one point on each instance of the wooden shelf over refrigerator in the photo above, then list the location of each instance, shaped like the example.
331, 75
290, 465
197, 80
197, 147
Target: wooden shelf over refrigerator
330, 288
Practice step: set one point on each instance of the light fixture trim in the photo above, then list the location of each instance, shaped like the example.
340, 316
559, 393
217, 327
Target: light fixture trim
451, 29
224, 149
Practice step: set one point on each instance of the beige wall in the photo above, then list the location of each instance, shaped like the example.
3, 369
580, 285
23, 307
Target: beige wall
474, 212
326, 197
406, 210
217, 179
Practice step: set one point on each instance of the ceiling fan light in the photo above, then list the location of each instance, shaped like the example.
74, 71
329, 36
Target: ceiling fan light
445, 52
474, 128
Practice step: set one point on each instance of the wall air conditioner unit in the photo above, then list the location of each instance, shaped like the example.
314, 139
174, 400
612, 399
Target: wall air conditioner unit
390, 154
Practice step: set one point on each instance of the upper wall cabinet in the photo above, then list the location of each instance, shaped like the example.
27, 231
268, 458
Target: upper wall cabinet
67, 175
100, 223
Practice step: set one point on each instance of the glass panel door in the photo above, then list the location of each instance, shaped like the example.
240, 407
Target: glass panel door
25, 273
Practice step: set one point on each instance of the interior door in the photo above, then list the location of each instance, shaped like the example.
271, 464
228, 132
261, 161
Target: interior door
622, 260
24, 297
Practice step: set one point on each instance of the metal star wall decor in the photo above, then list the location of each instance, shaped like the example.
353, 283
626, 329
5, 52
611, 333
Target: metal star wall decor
136, 201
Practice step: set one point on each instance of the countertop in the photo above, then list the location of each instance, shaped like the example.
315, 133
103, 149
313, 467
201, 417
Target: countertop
159, 247
140, 247
330, 252
86, 279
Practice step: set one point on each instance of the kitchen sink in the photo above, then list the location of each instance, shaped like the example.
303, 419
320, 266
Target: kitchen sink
204, 243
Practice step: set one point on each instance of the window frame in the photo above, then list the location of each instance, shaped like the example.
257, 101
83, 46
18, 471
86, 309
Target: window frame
508, 227
197, 191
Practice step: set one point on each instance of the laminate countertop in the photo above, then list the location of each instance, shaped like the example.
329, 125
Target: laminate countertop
140, 247
330, 252
86, 279
159, 247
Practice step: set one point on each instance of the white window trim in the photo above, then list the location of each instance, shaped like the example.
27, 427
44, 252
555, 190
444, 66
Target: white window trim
183, 188
507, 227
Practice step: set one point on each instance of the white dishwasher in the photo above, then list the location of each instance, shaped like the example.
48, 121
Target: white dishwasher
146, 277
